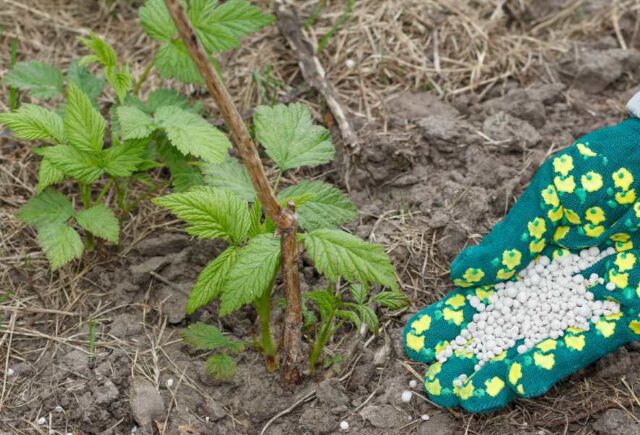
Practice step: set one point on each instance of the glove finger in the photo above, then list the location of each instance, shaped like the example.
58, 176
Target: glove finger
430, 330
487, 389
535, 372
620, 278
439, 378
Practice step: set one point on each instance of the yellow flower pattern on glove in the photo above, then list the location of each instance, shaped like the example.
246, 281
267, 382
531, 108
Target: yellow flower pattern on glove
591, 181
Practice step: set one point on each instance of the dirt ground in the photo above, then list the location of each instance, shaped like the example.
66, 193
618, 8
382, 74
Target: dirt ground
455, 102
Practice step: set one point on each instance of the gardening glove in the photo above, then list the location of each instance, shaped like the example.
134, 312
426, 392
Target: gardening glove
584, 196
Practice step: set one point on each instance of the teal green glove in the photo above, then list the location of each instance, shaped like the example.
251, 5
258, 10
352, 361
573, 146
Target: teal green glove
584, 196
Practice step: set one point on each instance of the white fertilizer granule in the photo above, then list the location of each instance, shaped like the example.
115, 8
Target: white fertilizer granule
549, 297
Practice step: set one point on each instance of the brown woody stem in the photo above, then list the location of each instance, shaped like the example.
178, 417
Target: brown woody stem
284, 218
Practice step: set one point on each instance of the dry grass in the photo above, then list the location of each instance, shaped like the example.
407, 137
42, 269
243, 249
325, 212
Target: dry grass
449, 46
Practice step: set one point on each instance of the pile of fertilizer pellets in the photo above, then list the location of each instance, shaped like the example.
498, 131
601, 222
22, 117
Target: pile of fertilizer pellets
549, 297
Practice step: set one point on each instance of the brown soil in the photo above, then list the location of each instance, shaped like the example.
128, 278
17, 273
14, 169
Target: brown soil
456, 103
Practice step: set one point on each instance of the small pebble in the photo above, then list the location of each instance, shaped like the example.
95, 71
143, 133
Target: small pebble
169, 382
425, 417
413, 383
42, 421
344, 425
406, 396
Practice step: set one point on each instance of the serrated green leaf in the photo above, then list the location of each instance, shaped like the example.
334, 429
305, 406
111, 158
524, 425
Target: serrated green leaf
40, 79
83, 125
221, 29
173, 61
121, 81
32, 122
338, 254
230, 175
166, 97
122, 160
102, 51
48, 175
46, 208
394, 300
324, 301
184, 175
210, 213
349, 316
82, 166
156, 21
255, 214
91, 85
204, 337
319, 205
221, 367
218, 27
193, 135
100, 221
208, 286
359, 293
134, 123
288, 135
369, 317
60, 243
253, 273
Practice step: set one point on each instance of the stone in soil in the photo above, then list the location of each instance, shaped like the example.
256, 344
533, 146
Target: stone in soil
616, 422
383, 416
146, 402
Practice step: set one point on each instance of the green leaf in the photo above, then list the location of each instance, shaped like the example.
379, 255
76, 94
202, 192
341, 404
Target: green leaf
210, 213
359, 293
209, 283
100, 221
83, 124
48, 207
32, 122
40, 79
325, 301
255, 214
369, 317
82, 166
191, 134
156, 21
102, 51
221, 29
290, 138
230, 175
121, 81
394, 300
349, 316
60, 243
91, 85
122, 160
134, 123
173, 61
184, 175
338, 254
48, 175
253, 273
221, 367
204, 337
319, 205
166, 97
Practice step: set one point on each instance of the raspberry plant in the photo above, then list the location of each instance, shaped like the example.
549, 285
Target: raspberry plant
266, 228
97, 156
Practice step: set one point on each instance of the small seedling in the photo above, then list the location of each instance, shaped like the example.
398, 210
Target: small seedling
220, 365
